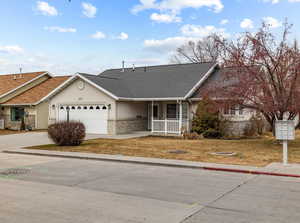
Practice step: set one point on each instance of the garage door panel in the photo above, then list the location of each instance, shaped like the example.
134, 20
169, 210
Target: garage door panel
94, 117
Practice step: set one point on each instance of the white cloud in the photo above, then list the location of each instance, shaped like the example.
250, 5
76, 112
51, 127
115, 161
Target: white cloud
3, 62
46, 9
12, 49
224, 22
272, 22
165, 18
98, 35
247, 24
272, 1
123, 36
202, 31
177, 5
60, 29
89, 10
166, 45
277, 1
188, 33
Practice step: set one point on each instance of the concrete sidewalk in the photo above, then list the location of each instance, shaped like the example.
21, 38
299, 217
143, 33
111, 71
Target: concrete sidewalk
276, 169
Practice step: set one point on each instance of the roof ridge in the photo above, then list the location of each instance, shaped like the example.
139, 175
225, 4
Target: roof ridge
163, 65
24, 73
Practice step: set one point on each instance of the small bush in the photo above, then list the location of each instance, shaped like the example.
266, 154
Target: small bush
212, 134
207, 121
250, 130
67, 133
191, 136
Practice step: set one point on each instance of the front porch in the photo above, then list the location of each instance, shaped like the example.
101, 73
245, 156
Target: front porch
169, 117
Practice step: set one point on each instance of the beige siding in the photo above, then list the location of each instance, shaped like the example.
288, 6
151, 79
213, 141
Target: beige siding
131, 110
42, 114
73, 95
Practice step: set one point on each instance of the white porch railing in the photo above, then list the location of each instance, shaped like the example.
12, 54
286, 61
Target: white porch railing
168, 126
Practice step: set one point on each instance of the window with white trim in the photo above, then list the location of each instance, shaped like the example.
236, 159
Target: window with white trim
234, 110
172, 111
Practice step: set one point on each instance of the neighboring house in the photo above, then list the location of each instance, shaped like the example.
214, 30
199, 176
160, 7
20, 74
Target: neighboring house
24, 96
161, 99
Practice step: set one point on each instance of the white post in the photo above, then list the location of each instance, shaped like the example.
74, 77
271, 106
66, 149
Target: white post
285, 152
166, 126
165, 116
152, 123
180, 117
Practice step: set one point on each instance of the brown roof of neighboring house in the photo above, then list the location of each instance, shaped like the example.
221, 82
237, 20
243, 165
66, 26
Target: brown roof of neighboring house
38, 92
9, 82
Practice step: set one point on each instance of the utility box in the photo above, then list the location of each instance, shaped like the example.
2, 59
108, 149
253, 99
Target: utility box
285, 130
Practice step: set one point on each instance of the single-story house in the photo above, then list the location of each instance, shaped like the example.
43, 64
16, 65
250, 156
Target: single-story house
162, 99
24, 96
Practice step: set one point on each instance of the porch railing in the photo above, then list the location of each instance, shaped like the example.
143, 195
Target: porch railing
169, 126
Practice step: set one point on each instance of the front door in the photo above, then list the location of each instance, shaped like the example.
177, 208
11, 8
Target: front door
155, 114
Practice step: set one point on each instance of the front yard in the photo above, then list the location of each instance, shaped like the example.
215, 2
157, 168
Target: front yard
255, 152
9, 132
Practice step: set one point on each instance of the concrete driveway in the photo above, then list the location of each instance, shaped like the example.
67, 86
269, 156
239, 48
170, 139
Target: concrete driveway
30, 139
70, 190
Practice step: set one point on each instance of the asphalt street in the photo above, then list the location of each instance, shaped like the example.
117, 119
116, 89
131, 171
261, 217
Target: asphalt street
72, 190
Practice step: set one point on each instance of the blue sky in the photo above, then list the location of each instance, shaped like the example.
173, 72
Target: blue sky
92, 35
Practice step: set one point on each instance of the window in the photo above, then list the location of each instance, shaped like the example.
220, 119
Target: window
171, 111
226, 111
234, 110
155, 111
17, 114
241, 110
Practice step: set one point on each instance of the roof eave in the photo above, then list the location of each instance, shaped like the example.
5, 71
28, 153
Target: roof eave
152, 99
97, 86
201, 81
54, 91
26, 83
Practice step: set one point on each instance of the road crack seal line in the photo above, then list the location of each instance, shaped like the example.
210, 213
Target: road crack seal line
210, 204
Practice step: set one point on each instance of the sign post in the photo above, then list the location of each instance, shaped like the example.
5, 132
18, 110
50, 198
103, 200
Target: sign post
285, 130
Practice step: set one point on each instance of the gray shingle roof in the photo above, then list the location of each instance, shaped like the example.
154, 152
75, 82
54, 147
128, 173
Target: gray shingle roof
166, 81
219, 79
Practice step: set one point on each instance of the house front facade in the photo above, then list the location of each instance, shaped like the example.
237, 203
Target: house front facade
161, 99
24, 99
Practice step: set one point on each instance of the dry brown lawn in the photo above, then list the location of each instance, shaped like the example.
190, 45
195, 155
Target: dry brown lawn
9, 132
255, 152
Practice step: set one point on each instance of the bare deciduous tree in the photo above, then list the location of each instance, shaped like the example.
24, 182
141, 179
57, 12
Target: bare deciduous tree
264, 73
205, 50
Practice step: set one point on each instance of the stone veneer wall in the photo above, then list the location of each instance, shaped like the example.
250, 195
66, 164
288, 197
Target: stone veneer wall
236, 128
16, 125
127, 126
111, 127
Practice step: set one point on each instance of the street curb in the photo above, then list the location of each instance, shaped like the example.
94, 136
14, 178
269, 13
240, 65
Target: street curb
253, 172
151, 163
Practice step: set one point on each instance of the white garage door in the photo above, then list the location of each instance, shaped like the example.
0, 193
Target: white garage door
94, 117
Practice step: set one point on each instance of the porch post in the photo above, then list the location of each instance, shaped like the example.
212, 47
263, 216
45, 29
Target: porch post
180, 116
152, 124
